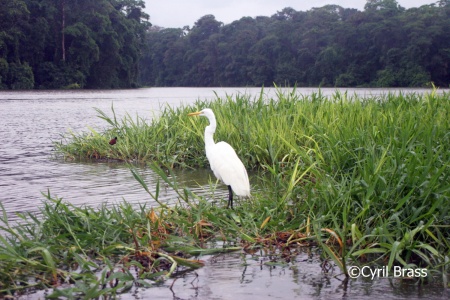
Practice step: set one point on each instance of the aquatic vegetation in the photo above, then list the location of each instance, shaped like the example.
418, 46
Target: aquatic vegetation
87, 252
365, 179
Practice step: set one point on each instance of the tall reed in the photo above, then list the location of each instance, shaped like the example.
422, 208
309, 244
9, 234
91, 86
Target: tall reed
376, 165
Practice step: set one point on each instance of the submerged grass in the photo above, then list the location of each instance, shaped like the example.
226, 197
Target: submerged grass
365, 179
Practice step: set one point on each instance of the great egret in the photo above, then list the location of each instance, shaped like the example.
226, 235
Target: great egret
224, 161
113, 141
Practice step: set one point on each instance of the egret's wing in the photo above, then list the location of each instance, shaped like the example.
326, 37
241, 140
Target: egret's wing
227, 167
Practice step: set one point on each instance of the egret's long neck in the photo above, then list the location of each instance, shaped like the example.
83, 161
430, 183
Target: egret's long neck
209, 131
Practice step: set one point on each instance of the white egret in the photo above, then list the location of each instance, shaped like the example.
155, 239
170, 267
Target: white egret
224, 161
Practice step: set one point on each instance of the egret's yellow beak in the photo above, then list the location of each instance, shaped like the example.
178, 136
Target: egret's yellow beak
194, 113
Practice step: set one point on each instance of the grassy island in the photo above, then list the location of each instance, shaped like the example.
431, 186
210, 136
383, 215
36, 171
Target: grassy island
364, 179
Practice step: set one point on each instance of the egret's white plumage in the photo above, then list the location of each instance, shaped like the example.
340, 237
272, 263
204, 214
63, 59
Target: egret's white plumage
224, 161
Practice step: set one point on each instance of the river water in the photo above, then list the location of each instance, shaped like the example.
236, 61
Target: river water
30, 121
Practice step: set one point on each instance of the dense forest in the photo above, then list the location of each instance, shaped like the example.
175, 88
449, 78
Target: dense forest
47, 44
111, 44
384, 45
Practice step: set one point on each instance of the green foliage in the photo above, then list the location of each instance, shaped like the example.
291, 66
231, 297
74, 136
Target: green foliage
20, 76
4, 70
90, 43
384, 45
98, 252
107, 44
56, 76
384, 159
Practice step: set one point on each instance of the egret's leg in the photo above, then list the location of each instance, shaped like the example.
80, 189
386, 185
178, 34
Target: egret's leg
230, 197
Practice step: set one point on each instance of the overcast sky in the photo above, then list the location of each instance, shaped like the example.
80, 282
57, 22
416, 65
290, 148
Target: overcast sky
178, 13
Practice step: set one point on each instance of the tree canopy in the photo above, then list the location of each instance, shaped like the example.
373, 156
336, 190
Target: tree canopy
62, 43
48, 44
385, 45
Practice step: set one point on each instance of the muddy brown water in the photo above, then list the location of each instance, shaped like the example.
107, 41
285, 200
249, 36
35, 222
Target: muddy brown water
31, 120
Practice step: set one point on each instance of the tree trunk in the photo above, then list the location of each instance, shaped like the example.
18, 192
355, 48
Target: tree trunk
63, 21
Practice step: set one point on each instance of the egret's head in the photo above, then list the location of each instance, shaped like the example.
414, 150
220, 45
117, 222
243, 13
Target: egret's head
207, 112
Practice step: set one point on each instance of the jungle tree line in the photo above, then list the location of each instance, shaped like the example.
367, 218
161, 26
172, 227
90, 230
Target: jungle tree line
71, 43
383, 45
110, 44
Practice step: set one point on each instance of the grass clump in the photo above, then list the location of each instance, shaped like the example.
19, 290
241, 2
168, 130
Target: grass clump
84, 252
365, 179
